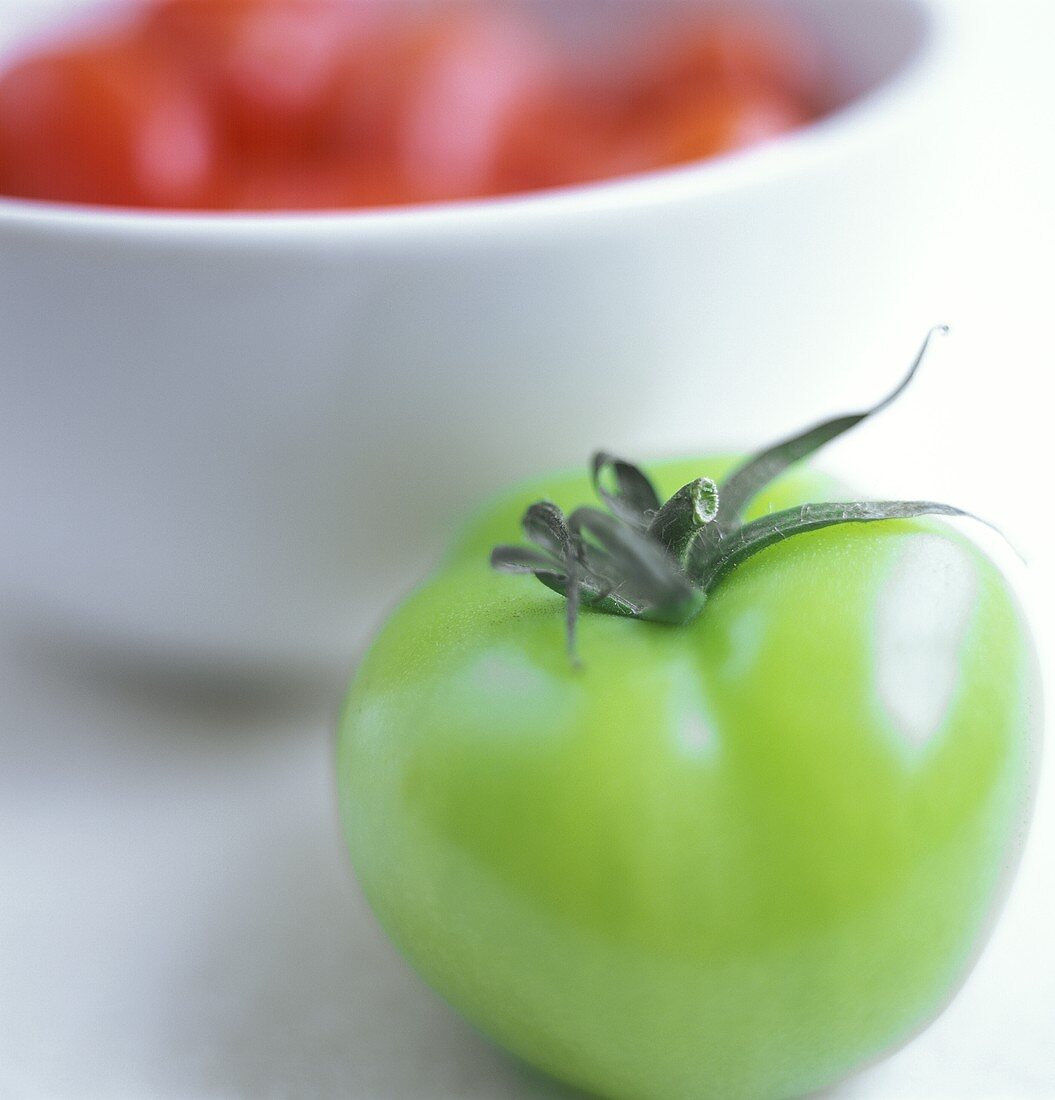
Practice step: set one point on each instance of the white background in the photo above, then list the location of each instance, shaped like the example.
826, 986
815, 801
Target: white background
177, 917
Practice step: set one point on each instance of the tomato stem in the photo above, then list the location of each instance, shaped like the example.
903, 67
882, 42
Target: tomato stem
659, 561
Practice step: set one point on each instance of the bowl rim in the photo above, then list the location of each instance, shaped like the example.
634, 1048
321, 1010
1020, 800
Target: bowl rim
826, 138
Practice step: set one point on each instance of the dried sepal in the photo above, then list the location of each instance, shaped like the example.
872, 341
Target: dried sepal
545, 526
744, 542
637, 569
523, 559
746, 482
630, 496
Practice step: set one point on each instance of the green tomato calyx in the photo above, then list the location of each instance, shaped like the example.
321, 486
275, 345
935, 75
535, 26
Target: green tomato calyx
658, 561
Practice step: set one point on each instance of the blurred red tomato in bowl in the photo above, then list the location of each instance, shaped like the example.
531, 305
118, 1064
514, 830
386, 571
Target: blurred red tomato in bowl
329, 104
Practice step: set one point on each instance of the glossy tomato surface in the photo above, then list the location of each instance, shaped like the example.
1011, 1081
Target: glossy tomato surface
737, 858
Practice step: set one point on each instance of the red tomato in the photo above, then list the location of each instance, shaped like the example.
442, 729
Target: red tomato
719, 120
268, 65
726, 85
486, 73
102, 124
320, 104
733, 51
325, 185
434, 98
570, 137
366, 107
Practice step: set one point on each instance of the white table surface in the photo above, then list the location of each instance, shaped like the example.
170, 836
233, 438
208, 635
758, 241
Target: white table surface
177, 916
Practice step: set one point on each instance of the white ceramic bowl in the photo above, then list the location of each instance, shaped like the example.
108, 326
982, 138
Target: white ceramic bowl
239, 438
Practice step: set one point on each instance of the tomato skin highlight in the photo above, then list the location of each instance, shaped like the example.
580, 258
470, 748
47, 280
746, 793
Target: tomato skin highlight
733, 859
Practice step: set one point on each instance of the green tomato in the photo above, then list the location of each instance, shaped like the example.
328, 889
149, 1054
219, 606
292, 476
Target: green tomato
734, 858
